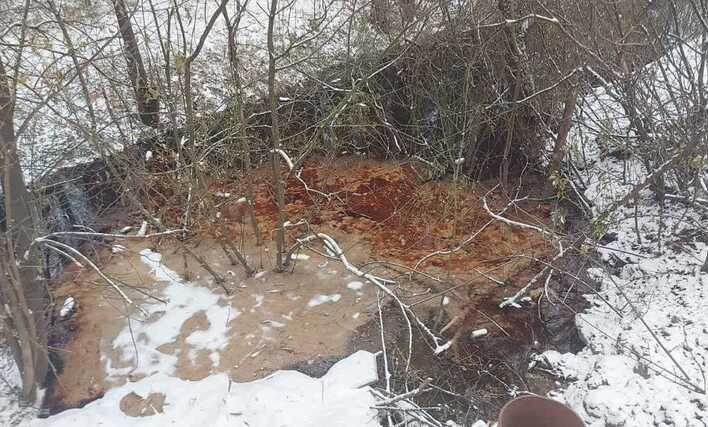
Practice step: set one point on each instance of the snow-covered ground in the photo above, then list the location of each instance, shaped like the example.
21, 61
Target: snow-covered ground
646, 331
13, 411
285, 398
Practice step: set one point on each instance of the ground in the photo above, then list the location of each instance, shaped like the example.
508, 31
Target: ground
642, 359
317, 312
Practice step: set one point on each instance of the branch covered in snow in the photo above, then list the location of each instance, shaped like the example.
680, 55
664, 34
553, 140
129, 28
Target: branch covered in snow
285, 157
63, 248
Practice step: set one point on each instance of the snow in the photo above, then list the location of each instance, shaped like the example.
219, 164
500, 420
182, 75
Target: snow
321, 299
285, 398
645, 331
163, 323
624, 376
68, 307
355, 285
12, 411
51, 94
478, 333
116, 249
342, 397
143, 229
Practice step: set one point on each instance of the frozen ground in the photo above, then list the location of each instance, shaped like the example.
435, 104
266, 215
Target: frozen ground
646, 331
285, 398
12, 411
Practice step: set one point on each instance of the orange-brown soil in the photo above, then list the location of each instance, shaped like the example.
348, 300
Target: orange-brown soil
376, 210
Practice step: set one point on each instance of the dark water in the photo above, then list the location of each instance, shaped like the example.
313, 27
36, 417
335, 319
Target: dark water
70, 199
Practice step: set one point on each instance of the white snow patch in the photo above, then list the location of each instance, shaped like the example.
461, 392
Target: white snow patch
321, 299
164, 321
355, 285
477, 333
284, 399
143, 229
13, 412
68, 307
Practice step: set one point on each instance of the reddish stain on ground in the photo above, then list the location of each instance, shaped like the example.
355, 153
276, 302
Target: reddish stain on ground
400, 217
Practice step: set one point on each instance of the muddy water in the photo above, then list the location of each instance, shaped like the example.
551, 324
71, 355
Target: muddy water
377, 211
301, 316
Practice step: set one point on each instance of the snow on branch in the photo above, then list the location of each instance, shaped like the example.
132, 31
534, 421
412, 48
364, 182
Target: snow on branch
285, 157
63, 248
514, 300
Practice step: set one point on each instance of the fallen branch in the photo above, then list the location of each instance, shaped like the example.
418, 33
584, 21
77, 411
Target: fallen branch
53, 244
418, 390
514, 300
333, 247
412, 413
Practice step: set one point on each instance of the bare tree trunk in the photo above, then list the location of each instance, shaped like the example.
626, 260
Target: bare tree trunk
146, 95
275, 139
562, 138
189, 103
242, 135
23, 291
518, 78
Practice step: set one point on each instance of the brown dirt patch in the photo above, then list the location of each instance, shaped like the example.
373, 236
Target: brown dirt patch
134, 405
399, 216
377, 211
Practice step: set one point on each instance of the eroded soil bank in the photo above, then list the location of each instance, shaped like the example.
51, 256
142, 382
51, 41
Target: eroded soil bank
388, 220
